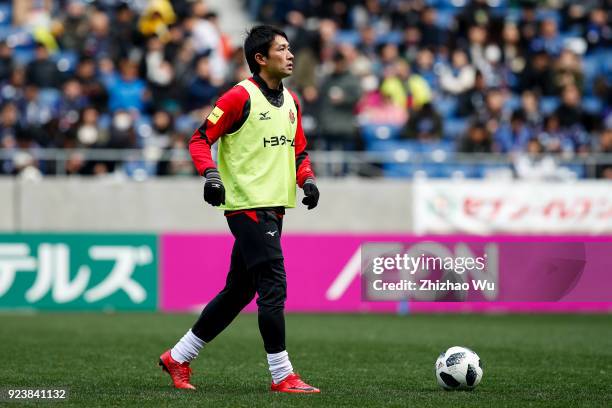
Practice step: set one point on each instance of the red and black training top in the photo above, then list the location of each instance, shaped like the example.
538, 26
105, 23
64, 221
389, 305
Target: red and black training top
236, 106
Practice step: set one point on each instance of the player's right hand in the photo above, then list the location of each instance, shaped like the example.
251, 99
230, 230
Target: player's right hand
214, 192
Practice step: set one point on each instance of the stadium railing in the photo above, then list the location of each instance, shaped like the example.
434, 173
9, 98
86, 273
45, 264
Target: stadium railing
402, 162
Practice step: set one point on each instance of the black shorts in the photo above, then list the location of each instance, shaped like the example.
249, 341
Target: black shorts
259, 240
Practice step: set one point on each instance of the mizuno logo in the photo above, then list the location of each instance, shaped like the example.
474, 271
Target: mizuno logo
264, 115
271, 233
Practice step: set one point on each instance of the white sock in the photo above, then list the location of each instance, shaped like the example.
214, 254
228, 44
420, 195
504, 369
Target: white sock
187, 348
280, 366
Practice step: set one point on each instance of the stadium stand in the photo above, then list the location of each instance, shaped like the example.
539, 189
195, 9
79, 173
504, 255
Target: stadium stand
429, 81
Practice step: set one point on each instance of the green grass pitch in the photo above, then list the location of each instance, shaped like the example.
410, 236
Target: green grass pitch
357, 360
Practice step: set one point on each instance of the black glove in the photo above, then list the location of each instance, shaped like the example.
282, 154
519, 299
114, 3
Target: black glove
214, 192
311, 193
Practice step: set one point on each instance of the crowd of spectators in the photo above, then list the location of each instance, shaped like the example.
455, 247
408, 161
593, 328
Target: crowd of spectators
480, 76
486, 77
110, 75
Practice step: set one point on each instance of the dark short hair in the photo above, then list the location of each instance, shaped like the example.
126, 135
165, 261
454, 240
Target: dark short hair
259, 40
518, 115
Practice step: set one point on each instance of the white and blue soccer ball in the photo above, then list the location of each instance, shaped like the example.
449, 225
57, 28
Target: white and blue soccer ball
458, 368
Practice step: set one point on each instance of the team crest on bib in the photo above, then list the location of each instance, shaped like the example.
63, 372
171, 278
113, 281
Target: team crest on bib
291, 116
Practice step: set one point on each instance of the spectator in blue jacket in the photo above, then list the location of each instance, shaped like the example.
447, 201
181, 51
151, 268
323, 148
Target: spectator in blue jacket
513, 136
126, 91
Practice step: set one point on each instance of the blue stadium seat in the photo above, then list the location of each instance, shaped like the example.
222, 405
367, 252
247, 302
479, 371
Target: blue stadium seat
429, 165
347, 37
498, 4
186, 124
548, 104
489, 169
66, 61
446, 106
548, 13
455, 128
399, 170
401, 149
445, 146
6, 14
448, 4
392, 37
143, 127
5, 31
20, 37
410, 170
449, 170
104, 121
49, 97
140, 169
371, 132
22, 43
604, 60
410, 146
578, 169
509, 14
416, 146
23, 56
445, 17
431, 170
607, 65
592, 104
591, 68
513, 102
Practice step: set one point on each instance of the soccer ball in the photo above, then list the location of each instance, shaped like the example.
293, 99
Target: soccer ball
458, 368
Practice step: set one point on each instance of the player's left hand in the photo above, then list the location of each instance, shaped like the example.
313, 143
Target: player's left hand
311, 193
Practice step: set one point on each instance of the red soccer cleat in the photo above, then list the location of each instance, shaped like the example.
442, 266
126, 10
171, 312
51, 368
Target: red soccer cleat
294, 384
179, 373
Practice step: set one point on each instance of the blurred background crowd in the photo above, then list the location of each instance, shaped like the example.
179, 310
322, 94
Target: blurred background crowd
423, 81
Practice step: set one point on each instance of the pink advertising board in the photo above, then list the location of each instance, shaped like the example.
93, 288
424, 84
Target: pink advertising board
323, 274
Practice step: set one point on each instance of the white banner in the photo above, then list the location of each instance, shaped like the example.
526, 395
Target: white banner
486, 207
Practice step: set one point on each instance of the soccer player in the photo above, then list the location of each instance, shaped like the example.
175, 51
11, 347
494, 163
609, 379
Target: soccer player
262, 155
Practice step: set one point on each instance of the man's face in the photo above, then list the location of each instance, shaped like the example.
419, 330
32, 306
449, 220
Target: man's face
279, 62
